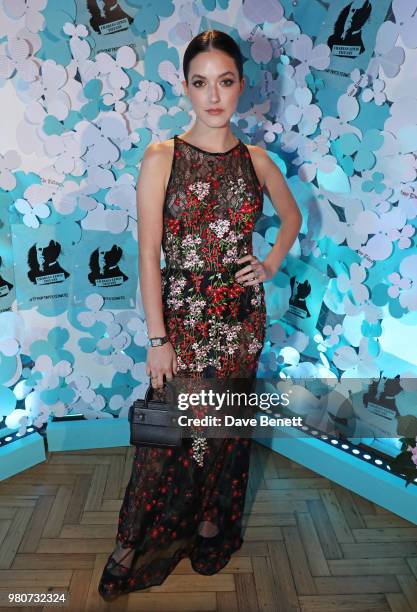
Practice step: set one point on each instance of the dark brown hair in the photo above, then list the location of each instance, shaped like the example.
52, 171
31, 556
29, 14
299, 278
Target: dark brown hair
212, 39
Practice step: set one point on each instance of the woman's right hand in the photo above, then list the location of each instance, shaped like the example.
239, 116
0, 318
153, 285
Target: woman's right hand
161, 360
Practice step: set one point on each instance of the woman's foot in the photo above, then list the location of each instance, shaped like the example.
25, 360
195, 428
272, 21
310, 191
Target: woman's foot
120, 561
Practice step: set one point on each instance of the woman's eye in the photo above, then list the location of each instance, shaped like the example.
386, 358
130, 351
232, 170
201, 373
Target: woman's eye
230, 81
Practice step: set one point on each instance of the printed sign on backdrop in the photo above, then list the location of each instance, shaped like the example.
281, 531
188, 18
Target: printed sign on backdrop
108, 267
7, 282
350, 31
43, 265
109, 23
308, 287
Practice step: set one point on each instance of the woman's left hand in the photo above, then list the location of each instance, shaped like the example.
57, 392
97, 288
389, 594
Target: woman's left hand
254, 273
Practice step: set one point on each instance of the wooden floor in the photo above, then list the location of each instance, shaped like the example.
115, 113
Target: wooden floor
310, 545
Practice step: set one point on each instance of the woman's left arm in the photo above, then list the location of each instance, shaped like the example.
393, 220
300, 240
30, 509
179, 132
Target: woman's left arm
282, 200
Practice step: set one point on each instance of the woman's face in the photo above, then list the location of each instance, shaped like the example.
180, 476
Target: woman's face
213, 82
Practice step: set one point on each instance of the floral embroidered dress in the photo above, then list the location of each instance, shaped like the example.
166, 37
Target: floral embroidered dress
217, 328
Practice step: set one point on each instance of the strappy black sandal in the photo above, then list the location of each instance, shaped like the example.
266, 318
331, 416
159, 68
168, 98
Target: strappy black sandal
109, 577
125, 570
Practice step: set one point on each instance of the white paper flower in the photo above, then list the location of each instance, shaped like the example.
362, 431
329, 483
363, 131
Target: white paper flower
398, 284
376, 93
355, 365
81, 385
80, 31
8, 162
353, 283
380, 227
333, 334
169, 73
360, 80
272, 130
405, 22
138, 326
308, 170
302, 112
31, 213
68, 150
393, 159
386, 55
123, 195
114, 69
347, 108
51, 373
403, 236
17, 59
408, 270
50, 88
29, 9
259, 11
94, 303
317, 57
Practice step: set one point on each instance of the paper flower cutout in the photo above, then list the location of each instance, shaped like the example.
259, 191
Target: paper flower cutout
138, 326
352, 284
51, 373
68, 150
148, 12
151, 92
259, 11
17, 59
92, 91
31, 213
308, 56
405, 22
115, 68
347, 108
114, 339
355, 364
333, 334
398, 284
376, 93
362, 149
50, 87
375, 184
8, 162
381, 229
360, 80
115, 78
81, 386
272, 130
313, 158
94, 303
80, 48
29, 9
408, 270
386, 55
403, 236
302, 112
100, 148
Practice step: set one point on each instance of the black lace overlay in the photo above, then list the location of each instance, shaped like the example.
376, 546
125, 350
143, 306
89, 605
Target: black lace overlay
189, 501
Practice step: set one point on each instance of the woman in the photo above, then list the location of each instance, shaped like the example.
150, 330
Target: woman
199, 195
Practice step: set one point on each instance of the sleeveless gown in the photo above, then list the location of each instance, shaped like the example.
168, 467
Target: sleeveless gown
217, 328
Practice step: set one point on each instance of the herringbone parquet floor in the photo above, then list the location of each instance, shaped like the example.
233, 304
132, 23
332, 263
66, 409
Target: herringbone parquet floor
310, 545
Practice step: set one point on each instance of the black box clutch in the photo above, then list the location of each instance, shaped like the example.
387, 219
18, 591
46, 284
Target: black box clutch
155, 422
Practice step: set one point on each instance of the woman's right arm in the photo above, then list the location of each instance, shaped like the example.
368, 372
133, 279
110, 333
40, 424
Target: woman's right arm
150, 197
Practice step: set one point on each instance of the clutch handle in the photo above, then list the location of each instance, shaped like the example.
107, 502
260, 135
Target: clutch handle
168, 387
